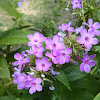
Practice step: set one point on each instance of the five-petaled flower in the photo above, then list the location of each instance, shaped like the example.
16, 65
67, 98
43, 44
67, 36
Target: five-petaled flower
87, 38
76, 4
93, 27
43, 64
21, 59
87, 62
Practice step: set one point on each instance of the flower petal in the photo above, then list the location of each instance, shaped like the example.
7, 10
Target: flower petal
81, 67
87, 68
32, 90
94, 41
88, 45
56, 38
26, 60
92, 62
68, 50
90, 21
38, 80
80, 40
16, 63
38, 87
92, 56
17, 56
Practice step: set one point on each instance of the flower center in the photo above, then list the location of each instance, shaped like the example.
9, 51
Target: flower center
34, 84
63, 54
35, 40
86, 62
54, 45
86, 38
76, 3
43, 65
92, 27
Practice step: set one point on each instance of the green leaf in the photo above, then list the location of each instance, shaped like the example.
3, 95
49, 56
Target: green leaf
4, 71
9, 98
63, 79
14, 37
73, 73
97, 97
9, 8
97, 48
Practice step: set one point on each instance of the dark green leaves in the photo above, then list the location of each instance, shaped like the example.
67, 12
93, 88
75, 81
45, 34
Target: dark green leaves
4, 71
13, 37
63, 79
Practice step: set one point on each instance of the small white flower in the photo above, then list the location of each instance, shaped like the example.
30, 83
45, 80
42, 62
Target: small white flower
66, 9
32, 73
42, 75
61, 34
51, 88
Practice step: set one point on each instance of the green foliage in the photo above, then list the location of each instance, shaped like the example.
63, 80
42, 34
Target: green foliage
4, 70
14, 37
63, 79
9, 8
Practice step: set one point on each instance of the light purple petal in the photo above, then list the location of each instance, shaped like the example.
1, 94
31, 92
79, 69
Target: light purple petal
68, 50
92, 63
94, 41
38, 87
38, 68
45, 68
61, 60
79, 6
32, 90
17, 56
85, 57
60, 45
96, 25
82, 67
56, 38
67, 58
91, 57
38, 80
26, 60
22, 54
71, 29
87, 68
97, 32
16, 63
90, 21
30, 37
80, 40
88, 45
85, 23
69, 24
83, 32
20, 66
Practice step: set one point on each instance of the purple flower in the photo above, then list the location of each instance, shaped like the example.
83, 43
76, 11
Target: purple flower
87, 62
78, 30
64, 55
21, 59
76, 4
94, 26
54, 44
36, 51
53, 55
35, 85
24, 0
66, 27
36, 39
53, 72
87, 39
43, 64
19, 4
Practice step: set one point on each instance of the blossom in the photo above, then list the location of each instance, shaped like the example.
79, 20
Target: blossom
87, 38
78, 30
51, 88
19, 4
64, 55
66, 27
53, 72
36, 51
94, 26
21, 59
76, 4
87, 62
54, 44
43, 64
35, 85
36, 39
53, 55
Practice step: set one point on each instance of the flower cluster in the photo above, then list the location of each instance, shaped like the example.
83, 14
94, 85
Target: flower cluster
42, 63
